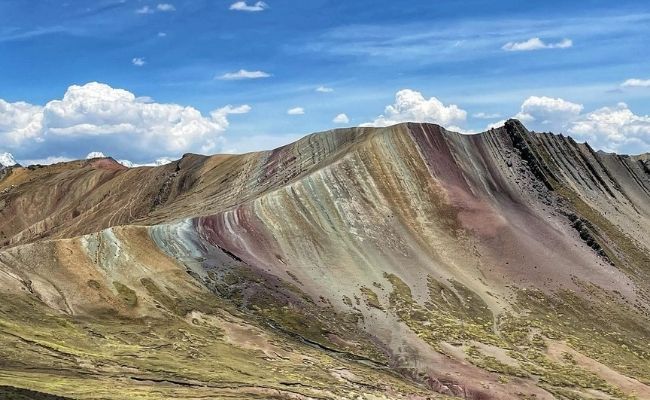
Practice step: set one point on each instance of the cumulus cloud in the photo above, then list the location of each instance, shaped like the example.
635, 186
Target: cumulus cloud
341, 119
548, 113
495, 125
243, 6
296, 111
243, 74
95, 113
615, 129
412, 106
482, 115
138, 61
19, 121
324, 89
536, 44
636, 83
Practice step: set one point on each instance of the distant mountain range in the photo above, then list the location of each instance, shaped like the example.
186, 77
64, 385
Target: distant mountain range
406, 262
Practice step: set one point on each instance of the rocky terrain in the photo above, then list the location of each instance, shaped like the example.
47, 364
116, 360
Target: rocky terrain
406, 262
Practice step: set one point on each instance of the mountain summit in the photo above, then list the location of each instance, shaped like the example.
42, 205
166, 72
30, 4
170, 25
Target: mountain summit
406, 262
7, 160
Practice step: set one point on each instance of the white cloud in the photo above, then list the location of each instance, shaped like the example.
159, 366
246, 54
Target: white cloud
95, 113
324, 89
229, 109
411, 106
95, 154
46, 161
482, 115
138, 61
162, 34
165, 7
163, 161
637, 83
546, 113
458, 129
19, 121
341, 119
495, 125
243, 74
144, 10
161, 7
615, 129
296, 111
7, 160
536, 44
243, 6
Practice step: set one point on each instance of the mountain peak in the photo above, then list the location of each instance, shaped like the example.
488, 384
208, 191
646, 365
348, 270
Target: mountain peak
7, 160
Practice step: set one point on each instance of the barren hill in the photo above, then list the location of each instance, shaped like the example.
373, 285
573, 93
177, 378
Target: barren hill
399, 262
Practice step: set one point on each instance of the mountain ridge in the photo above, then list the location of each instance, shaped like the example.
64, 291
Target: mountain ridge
353, 134
489, 266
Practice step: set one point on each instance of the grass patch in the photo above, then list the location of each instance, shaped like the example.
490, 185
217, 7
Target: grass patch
127, 295
490, 363
371, 298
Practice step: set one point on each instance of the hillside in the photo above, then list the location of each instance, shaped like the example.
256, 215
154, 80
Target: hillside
399, 262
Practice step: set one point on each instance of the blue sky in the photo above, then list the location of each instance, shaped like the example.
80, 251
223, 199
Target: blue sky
581, 68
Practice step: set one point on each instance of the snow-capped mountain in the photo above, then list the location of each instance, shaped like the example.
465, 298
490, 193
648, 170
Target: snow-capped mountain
7, 160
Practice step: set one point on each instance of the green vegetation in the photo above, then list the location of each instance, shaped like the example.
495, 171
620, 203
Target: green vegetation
127, 295
628, 255
490, 363
13, 393
286, 308
169, 357
601, 328
371, 298
449, 316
